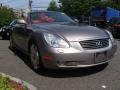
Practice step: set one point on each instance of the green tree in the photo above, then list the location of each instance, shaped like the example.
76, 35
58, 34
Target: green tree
81, 7
6, 16
114, 4
75, 7
52, 6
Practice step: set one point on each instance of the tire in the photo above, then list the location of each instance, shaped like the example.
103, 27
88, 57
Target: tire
35, 57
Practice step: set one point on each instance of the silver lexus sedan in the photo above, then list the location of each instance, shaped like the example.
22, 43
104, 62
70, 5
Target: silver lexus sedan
53, 40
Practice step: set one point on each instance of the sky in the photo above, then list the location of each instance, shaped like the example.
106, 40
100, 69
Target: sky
22, 4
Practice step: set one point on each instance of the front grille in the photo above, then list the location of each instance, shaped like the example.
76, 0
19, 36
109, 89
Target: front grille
95, 44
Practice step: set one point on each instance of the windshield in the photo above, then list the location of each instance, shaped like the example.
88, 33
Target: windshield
49, 17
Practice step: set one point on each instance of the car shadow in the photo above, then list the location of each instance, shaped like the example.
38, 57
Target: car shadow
4, 39
0, 38
22, 56
81, 72
61, 73
118, 39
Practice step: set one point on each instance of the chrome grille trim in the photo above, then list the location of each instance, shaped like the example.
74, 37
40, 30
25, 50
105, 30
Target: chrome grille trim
95, 44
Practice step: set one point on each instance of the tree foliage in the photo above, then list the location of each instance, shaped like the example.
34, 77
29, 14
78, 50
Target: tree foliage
83, 7
6, 16
114, 4
52, 6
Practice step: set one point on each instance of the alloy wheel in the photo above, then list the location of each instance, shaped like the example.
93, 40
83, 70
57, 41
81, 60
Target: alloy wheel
35, 57
11, 43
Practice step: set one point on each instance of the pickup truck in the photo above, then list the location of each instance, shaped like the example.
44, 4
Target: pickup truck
101, 16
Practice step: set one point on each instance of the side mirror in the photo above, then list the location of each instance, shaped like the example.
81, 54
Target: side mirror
22, 22
76, 20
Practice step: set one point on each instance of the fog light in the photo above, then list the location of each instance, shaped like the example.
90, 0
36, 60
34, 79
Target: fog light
60, 62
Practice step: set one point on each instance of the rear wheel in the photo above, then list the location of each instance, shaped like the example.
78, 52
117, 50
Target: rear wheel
35, 57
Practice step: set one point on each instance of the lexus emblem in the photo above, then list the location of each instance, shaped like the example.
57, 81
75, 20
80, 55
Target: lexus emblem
98, 43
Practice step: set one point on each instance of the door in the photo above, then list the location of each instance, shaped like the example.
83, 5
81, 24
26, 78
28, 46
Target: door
24, 37
16, 34
19, 35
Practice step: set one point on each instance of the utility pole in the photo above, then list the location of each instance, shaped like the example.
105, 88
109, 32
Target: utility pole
1, 4
30, 5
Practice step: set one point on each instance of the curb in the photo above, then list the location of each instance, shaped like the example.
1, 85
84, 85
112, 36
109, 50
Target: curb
29, 86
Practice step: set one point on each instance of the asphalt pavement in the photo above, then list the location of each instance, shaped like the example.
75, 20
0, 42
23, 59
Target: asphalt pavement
106, 77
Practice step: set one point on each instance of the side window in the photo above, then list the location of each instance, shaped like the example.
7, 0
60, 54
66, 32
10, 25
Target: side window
13, 23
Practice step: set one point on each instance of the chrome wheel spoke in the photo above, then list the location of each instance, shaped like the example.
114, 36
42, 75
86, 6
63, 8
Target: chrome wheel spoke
34, 57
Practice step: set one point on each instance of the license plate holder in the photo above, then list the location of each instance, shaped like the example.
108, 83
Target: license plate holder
100, 57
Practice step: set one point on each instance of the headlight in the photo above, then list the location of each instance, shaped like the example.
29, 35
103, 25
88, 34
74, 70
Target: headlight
111, 36
55, 41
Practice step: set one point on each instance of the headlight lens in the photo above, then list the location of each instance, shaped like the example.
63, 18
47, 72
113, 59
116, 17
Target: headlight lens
111, 36
55, 41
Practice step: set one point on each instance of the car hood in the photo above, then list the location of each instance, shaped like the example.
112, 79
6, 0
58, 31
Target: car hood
75, 32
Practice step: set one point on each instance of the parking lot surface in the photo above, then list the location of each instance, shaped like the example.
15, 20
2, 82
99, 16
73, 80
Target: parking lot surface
106, 77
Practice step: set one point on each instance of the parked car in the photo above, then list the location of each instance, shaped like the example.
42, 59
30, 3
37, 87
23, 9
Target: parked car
0, 31
81, 19
5, 31
53, 40
115, 26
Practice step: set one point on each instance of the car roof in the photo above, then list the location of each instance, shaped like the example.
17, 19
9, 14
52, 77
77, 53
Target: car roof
41, 11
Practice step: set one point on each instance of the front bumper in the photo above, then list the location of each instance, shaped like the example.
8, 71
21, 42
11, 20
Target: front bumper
74, 58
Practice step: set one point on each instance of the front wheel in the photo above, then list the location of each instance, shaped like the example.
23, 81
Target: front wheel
12, 46
35, 57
